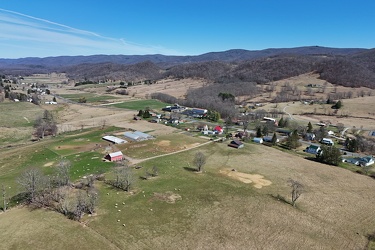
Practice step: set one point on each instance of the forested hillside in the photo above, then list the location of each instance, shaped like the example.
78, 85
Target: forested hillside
347, 67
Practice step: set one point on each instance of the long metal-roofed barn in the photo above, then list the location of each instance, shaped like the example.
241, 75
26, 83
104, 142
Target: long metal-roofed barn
114, 139
138, 136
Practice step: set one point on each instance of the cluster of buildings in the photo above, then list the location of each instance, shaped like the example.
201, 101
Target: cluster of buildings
131, 136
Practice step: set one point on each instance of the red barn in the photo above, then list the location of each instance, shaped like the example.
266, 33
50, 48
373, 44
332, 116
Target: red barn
116, 156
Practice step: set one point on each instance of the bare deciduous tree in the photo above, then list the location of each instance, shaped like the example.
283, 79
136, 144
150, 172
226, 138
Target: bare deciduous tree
297, 189
3, 191
103, 123
245, 122
63, 176
340, 127
45, 125
199, 161
124, 178
32, 181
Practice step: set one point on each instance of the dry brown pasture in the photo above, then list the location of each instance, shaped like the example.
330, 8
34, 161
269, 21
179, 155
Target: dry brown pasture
217, 211
75, 116
173, 87
357, 111
335, 210
46, 78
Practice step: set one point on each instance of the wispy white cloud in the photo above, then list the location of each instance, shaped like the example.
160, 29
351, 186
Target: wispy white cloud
23, 36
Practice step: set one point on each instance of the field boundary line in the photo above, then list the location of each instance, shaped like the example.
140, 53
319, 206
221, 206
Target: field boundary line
136, 161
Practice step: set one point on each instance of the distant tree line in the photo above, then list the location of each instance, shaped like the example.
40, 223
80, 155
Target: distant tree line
351, 71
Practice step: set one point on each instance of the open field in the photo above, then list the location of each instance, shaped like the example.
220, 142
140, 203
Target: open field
347, 115
161, 145
357, 111
74, 117
90, 97
141, 104
173, 87
41, 229
239, 201
17, 121
182, 209
52, 78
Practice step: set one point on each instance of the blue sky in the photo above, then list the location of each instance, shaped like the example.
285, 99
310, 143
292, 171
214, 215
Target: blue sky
43, 28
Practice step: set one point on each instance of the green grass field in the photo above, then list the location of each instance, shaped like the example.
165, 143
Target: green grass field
18, 114
141, 104
17, 121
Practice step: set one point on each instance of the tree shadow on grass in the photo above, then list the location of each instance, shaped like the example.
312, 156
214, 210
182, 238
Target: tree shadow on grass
21, 198
280, 198
190, 169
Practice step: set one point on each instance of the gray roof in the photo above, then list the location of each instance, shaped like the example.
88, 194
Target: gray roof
132, 136
114, 154
114, 139
137, 136
144, 135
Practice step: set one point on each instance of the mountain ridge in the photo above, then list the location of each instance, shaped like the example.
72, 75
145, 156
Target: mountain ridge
170, 60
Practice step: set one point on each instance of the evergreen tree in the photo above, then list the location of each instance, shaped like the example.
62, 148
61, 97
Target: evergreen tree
213, 115
140, 113
352, 145
309, 128
281, 122
293, 140
338, 105
330, 155
259, 132
265, 130
146, 114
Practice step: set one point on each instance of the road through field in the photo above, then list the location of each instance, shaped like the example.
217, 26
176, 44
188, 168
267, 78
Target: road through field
136, 161
289, 114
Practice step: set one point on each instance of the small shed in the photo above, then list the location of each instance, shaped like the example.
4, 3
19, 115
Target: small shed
114, 139
116, 156
236, 144
258, 140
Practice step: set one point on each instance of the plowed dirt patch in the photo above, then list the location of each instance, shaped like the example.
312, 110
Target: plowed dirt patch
257, 179
164, 143
168, 197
